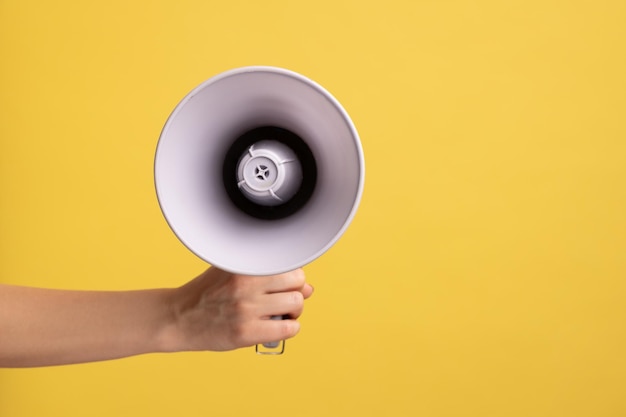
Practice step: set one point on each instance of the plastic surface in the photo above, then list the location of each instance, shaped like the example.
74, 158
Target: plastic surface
190, 155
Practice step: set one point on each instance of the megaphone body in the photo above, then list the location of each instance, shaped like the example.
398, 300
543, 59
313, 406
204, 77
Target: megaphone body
259, 170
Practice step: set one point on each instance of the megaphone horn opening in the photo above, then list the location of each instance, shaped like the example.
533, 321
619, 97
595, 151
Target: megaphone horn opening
269, 173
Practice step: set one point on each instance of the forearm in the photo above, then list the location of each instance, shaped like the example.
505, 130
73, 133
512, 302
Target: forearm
215, 311
40, 327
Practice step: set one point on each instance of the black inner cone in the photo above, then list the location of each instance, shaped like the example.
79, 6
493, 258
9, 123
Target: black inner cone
302, 151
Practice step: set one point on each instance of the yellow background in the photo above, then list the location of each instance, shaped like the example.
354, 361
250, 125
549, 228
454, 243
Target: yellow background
484, 274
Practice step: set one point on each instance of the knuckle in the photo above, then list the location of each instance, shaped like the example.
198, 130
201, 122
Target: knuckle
298, 277
239, 286
289, 328
292, 279
297, 299
240, 333
240, 308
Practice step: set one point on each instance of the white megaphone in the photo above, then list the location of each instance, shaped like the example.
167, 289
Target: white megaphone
259, 170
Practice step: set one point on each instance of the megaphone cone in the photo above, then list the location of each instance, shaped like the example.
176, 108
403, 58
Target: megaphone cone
259, 170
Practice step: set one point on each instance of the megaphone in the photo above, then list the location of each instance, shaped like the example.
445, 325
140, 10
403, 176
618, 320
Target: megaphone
259, 170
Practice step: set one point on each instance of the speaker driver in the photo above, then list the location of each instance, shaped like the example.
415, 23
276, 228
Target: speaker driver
269, 173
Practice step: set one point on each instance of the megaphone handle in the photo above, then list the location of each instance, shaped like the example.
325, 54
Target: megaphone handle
273, 347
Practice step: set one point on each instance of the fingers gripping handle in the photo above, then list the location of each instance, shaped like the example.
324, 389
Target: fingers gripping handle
272, 348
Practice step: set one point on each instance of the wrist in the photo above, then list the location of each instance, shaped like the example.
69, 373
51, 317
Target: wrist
167, 337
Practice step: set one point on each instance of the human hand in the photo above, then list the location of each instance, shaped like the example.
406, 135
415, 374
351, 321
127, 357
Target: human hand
222, 311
